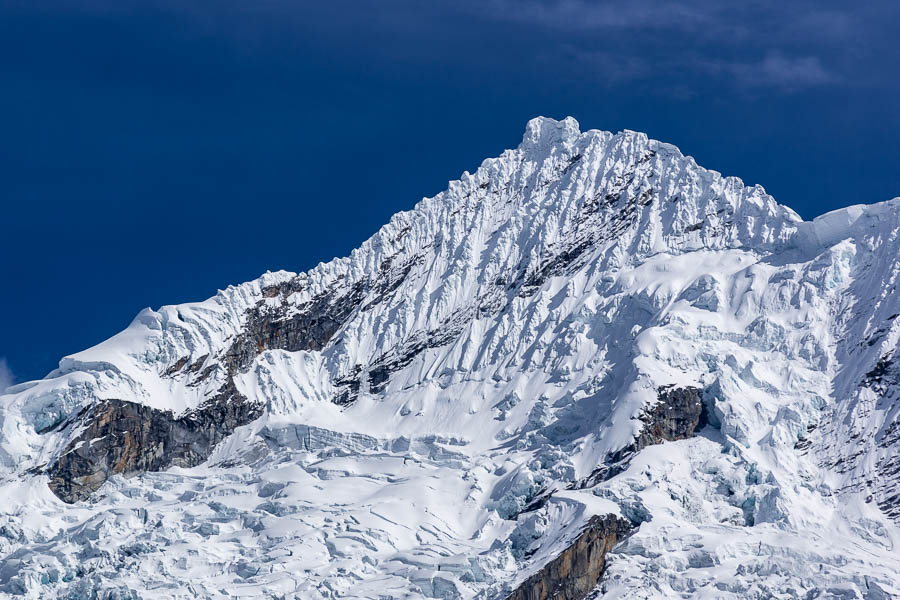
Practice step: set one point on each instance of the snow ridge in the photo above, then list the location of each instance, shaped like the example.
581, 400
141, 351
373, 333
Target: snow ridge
488, 348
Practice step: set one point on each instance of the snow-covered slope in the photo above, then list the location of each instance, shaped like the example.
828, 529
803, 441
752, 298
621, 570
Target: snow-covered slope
442, 412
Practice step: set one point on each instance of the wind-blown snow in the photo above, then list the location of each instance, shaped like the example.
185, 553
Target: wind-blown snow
528, 315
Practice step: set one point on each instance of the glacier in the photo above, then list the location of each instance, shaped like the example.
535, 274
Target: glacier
440, 414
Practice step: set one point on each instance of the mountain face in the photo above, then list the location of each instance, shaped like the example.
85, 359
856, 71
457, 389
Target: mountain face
591, 368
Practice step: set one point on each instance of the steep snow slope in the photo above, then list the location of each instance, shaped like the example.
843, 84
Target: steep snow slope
443, 411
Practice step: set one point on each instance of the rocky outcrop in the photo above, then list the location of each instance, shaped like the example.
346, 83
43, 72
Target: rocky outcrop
884, 482
309, 326
119, 437
312, 324
575, 572
395, 359
676, 416
679, 412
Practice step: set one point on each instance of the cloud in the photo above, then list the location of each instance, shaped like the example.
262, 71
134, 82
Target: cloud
6, 376
582, 14
608, 67
685, 42
776, 70
686, 45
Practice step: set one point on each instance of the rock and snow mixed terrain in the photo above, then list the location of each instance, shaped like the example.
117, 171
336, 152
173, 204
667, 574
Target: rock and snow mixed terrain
591, 333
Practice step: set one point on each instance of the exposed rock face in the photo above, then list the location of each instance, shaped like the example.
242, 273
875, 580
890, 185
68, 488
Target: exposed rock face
291, 328
676, 416
396, 359
679, 412
575, 572
312, 324
127, 437
883, 480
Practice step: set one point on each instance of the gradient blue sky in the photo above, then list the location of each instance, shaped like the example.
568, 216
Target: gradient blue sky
155, 151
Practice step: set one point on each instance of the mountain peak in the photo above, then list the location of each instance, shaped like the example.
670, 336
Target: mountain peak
541, 132
591, 341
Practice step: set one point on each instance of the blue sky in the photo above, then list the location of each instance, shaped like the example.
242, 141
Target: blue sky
155, 151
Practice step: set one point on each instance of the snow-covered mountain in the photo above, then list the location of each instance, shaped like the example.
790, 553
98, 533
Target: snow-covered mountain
591, 358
